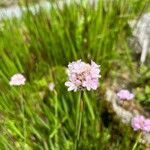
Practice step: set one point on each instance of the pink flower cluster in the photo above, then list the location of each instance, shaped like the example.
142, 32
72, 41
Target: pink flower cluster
125, 95
141, 123
83, 76
17, 80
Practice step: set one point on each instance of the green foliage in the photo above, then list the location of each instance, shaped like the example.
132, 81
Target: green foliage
142, 88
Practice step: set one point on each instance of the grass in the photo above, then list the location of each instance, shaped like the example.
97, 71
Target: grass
40, 47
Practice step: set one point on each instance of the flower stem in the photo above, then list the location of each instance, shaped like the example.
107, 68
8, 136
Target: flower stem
24, 119
137, 140
56, 121
79, 119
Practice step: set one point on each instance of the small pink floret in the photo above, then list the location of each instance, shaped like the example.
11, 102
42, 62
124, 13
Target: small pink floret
125, 95
51, 86
140, 123
17, 80
82, 75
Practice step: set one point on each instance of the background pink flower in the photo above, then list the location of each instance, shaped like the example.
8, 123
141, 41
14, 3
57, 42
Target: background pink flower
125, 95
141, 123
82, 75
146, 125
17, 80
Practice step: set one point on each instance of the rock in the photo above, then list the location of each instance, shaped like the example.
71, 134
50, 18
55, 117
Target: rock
141, 34
9, 3
15, 11
6, 3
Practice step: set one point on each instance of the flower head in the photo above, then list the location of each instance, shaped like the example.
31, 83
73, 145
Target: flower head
141, 123
51, 86
17, 80
125, 95
83, 76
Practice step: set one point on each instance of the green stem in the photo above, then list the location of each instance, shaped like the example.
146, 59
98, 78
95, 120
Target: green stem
24, 119
79, 126
137, 140
79, 119
56, 121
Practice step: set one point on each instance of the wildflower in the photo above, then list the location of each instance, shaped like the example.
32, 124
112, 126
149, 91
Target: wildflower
83, 76
147, 125
17, 80
141, 123
125, 95
51, 86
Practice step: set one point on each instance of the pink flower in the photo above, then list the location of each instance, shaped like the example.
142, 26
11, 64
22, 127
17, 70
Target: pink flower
17, 80
147, 125
83, 76
125, 95
51, 86
140, 123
